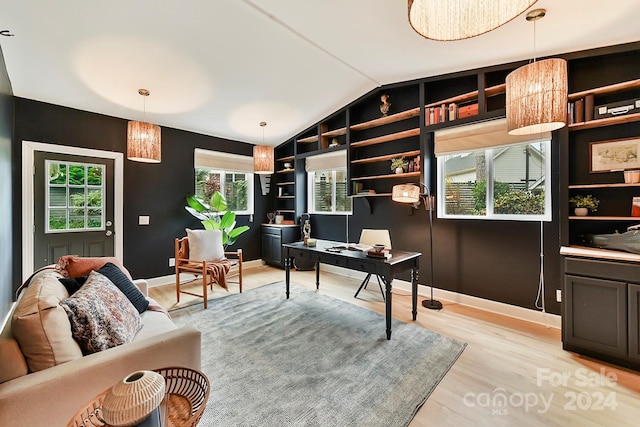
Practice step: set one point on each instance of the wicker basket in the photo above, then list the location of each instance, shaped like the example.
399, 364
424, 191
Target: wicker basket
186, 395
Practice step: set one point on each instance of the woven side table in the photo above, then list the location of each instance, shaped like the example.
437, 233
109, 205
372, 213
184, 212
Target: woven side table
186, 395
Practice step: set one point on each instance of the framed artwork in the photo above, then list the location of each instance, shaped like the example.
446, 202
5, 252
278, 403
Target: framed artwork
615, 155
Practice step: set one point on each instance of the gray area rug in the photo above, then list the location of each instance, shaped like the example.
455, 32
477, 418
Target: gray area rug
313, 360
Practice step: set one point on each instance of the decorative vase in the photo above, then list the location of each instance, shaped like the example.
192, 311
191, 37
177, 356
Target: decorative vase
581, 211
399, 170
132, 399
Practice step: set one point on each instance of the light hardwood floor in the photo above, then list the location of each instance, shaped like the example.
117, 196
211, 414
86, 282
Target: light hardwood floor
512, 373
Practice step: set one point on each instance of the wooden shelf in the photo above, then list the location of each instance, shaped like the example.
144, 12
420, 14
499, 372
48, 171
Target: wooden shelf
616, 185
607, 121
618, 87
386, 138
286, 211
285, 159
286, 197
308, 140
470, 96
403, 115
606, 218
286, 171
285, 183
390, 176
336, 132
385, 158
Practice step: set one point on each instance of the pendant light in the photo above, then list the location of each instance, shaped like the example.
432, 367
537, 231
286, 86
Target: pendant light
536, 93
448, 20
143, 139
263, 156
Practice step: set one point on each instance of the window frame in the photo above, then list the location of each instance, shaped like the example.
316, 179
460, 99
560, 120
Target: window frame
223, 173
311, 208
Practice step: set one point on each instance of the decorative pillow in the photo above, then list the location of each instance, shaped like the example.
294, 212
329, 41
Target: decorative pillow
41, 326
205, 245
126, 286
101, 316
72, 284
76, 266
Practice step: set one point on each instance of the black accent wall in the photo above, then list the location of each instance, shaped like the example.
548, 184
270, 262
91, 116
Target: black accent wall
6, 196
156, 190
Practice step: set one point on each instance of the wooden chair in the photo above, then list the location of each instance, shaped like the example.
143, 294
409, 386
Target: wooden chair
207, 269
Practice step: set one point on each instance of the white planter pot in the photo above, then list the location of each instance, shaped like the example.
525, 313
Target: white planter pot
581, 211
399, 170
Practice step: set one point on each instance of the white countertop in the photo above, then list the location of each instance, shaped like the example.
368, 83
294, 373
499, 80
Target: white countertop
587, 252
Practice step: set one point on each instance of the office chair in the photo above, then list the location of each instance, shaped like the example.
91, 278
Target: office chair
373, 237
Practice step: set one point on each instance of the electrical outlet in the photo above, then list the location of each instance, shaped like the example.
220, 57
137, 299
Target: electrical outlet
172, 262
558, 295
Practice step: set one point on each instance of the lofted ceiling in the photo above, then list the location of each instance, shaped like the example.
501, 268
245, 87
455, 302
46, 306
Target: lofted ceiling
220, 67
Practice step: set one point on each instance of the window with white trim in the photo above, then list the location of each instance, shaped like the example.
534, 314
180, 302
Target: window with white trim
231, 174
497, 177
327, 184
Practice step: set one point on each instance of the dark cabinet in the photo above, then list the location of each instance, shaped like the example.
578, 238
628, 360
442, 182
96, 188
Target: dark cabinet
273, 236
600, 310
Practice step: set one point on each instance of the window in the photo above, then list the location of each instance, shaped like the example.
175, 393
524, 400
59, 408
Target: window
228, 173
328, 190
508, 182
74, 197
327, 183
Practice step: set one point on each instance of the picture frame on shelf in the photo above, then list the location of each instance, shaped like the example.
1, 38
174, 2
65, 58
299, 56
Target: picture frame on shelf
614, 155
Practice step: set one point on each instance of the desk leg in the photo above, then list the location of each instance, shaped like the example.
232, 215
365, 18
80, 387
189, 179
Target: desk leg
317, 275
287, 272
414, 292
387, 283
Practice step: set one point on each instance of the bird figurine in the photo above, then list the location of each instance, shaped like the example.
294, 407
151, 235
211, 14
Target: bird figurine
384, 107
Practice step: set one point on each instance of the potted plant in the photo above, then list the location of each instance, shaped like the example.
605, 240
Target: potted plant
584, 204
398, 164
215, 216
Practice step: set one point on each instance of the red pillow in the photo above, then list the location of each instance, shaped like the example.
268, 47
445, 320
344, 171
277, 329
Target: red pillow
76, 266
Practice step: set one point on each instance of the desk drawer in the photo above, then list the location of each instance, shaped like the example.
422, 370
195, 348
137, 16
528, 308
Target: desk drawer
331, 259
303, 254
362, 265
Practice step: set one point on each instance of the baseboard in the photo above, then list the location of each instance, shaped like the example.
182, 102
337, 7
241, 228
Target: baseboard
163, 280
533, 316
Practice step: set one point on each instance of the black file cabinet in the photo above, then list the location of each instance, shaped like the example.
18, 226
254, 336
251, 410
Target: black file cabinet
273, 236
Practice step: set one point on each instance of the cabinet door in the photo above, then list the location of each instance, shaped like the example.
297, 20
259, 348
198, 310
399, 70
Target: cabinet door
271, 249
634, 322
595, 315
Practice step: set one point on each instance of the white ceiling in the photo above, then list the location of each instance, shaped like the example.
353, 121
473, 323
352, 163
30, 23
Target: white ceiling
219, 67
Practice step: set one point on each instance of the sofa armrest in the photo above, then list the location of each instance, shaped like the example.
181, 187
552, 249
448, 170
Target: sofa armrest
143, 286
54, 395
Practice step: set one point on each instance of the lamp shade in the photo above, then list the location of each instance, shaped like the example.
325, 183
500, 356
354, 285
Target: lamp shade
143, 142
405, 193
537, 97
263, 159
462, 19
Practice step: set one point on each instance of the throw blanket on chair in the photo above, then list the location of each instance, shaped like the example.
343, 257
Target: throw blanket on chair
219, 270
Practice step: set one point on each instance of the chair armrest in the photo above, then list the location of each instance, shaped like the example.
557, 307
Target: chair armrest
237, 253
54, 395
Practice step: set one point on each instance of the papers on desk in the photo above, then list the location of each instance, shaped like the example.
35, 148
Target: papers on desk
353, 247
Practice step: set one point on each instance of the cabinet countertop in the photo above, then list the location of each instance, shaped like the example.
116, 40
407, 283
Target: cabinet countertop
280, 225
587, 252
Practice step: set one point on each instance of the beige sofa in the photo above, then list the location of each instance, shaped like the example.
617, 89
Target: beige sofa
51, 396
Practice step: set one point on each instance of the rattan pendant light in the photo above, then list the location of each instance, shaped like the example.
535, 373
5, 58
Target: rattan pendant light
263, 156
143, 139
537, 93
448, 20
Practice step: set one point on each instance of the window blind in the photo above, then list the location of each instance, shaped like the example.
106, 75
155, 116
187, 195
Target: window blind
333, 160
222, 161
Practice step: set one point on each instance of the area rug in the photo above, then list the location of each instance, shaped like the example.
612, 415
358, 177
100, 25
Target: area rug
313, 360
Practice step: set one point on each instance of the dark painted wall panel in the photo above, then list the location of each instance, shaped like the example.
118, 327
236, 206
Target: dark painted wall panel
156, 190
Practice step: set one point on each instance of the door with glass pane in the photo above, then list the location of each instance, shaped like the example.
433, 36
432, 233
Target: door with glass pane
73, 207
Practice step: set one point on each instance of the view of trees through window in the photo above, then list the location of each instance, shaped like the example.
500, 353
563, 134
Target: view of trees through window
329, 191
75, 194
234, 186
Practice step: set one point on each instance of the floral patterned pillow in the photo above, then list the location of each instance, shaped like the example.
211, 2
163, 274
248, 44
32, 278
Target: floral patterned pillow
101, 315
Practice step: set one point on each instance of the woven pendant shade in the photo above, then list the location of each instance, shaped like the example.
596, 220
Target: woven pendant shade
143, 142
447, 20
537, 97
263, 159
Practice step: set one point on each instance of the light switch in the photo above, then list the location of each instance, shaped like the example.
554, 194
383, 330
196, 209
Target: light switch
143, 220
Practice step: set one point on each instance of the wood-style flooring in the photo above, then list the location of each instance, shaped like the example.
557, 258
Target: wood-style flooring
512, 373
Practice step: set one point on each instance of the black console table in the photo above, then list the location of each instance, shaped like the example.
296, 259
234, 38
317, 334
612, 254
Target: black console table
387, 268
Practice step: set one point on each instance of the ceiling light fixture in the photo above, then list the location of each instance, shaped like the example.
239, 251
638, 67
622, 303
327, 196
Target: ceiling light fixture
448, 20
143, 139
536, 93
263, 157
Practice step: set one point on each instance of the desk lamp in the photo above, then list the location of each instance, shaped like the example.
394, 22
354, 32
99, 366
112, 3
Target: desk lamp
410, 193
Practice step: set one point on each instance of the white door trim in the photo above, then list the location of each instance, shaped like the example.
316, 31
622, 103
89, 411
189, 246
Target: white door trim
28, 153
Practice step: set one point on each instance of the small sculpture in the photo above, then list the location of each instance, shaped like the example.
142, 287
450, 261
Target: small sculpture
306, 231
384, 107
271, 216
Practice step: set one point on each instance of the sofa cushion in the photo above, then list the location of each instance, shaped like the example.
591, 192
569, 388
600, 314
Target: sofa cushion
125, 285
72, 284
76, 266
205, 245
12, 362
101, 315
41, 326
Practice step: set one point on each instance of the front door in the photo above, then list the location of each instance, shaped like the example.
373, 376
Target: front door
73, 207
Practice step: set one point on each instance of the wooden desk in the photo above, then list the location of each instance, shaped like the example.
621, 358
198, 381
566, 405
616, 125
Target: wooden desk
357, 260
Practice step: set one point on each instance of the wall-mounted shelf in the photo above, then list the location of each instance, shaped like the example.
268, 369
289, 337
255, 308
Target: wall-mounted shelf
582, 123
607, 121
615, 185
606, 218
392, 118
286, 197
386, 138
285, 183
285, 159
286, 170
308, 139
390, 176
617, 87
386, 158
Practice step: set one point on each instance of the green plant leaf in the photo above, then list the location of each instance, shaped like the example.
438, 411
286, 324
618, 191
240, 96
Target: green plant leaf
218, 202
197, 204
238, 231
228, 220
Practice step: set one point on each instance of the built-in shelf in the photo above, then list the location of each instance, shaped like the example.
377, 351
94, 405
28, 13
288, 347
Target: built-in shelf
390, 176
618, 87
386, 138
470, 96
308, 139
607, 121
286, 159
616, 185
286, 211
285, 183
336, 132
286, 197
385, 158
285, 171
606, 218
385, 120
